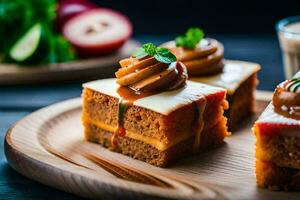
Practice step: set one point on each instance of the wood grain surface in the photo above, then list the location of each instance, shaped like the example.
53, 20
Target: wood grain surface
83, 69
48, 146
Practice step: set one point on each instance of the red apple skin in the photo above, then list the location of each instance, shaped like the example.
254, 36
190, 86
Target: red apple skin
104, 48
68, 9
99, 50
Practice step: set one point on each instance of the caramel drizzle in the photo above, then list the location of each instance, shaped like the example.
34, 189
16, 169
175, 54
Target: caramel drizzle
127, 98
120, 131
199, 123
132, 96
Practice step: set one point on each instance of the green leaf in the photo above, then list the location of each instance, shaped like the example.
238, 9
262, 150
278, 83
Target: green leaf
149, 48
295, 85
164, 55
180, 41
63, 50
122, 107
60, 50
139, 53
191, 38
159, 53
15, 18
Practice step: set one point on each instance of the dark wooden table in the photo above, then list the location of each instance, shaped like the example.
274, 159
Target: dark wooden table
18, 101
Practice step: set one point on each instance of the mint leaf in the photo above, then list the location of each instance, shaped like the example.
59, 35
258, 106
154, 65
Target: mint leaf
159, 53
191, 38
180, 41
139, 53
149, 48
164, 55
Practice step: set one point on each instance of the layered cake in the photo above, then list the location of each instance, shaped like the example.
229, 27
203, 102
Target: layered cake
204, 60
277, 134
150, 112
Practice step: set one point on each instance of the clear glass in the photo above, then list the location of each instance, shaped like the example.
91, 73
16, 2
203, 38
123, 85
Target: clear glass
288, 31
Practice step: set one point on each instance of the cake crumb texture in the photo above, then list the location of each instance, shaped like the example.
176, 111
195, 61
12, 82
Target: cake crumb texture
173, 133
277, 161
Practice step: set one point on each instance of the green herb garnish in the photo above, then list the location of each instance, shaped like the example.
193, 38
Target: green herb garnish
191, 38
139, 53
293, 85
160, 54
121, 109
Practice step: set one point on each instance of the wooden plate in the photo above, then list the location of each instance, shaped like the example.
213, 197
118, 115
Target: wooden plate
48, 146
92, 68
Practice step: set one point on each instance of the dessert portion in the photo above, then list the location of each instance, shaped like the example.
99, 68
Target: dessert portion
278, 141
151, 112
204, 59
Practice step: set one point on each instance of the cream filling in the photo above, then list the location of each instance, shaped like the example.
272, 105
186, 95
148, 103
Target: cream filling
161, 146
234, 74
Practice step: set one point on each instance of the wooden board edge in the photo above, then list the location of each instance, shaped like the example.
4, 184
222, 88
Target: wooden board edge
36, 170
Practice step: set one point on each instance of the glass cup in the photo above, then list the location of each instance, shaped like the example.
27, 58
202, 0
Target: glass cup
288, 31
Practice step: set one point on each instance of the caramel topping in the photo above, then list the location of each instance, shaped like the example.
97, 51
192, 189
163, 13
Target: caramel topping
199, 123
286, 99
147, 74
205, 59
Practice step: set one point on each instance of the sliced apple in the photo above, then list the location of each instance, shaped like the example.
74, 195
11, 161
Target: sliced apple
98, 31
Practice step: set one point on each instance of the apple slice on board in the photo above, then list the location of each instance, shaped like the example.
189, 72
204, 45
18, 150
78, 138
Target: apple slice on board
98, 31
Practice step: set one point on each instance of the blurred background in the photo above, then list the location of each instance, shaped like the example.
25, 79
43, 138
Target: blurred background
215, 17
246, 29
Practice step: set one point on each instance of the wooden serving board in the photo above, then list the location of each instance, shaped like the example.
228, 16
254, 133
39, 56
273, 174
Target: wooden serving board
83, 69
48, 146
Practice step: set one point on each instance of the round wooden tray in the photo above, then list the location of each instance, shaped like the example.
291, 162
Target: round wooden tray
48, 146
91, 68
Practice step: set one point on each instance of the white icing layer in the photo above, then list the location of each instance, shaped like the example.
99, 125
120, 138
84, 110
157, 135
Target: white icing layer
234, 74
270, 116
164, 102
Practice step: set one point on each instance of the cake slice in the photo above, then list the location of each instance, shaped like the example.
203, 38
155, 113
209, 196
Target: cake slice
151, 112
204, 59
277, 134
239, 79
161, 128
